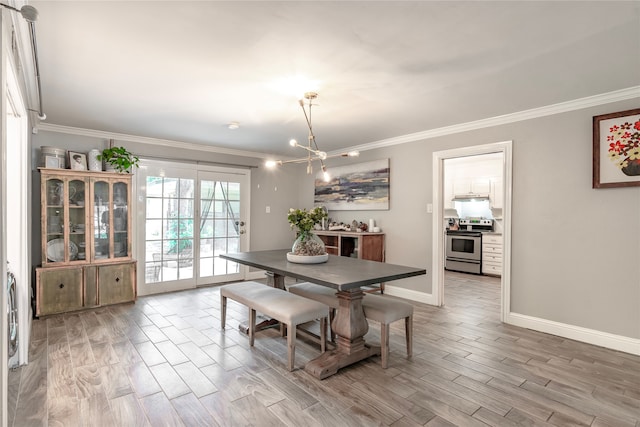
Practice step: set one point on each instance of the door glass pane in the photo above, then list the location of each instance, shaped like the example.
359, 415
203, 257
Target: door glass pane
120, 226
101, 220
169, 229
219, 200
77, 217
55, 220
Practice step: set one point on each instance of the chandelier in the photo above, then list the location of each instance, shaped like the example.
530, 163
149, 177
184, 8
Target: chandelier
313, 152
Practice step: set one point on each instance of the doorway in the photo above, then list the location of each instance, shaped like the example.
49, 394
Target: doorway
188, 217
440, 204
18, 217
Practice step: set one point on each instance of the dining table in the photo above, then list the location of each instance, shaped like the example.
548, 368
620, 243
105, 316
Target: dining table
347, 276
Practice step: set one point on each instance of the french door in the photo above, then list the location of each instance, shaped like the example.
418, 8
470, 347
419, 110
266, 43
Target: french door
191, 216
222, 225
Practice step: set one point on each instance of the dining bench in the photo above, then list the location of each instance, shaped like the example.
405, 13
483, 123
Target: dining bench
382, 309
289, 309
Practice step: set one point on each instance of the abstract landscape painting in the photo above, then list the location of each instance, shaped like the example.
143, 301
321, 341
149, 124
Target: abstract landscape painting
363, 186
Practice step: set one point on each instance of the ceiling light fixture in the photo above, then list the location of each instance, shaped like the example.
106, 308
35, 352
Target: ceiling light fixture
313, 152
233, 125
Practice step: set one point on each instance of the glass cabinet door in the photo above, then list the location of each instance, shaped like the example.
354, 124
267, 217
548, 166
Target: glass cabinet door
76, 190
101, 219
120, 214
53, 221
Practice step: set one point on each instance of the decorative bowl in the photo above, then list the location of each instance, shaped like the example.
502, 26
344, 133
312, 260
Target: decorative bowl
307, 259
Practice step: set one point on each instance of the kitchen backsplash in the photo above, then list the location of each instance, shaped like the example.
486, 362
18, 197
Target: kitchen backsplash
474, 209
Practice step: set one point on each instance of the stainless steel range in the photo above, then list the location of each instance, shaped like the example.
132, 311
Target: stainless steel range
464, 246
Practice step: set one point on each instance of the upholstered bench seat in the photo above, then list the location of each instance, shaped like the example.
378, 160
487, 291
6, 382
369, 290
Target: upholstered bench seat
278, 304
383, 309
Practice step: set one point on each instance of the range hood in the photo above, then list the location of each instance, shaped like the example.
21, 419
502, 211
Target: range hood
470, 197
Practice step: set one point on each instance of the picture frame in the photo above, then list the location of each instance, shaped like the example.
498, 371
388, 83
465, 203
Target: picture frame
77, 161
358, 186
52, 162
616, 149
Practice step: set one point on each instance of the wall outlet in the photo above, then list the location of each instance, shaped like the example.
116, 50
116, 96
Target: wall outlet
268, 209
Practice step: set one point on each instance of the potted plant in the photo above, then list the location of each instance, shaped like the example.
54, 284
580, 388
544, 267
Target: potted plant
307, 243
119, 159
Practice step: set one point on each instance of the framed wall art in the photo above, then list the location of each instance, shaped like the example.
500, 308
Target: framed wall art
77, 161
616, 149
361, 186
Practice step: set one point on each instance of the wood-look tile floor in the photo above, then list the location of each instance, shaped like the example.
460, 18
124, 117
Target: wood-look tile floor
164, 361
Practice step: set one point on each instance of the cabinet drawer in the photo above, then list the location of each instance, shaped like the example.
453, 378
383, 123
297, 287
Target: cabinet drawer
116, 283
491, 249
58, 290
492, 258
492, 238
492, 269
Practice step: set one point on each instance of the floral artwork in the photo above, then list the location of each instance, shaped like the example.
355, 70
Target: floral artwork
616, 149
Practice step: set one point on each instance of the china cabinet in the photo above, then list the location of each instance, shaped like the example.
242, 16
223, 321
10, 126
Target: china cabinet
86, 241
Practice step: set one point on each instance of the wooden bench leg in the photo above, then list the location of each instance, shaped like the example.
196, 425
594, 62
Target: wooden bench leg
252, 326
408, 330
332, 315
223, 316
291, 343
323, 334
384, 338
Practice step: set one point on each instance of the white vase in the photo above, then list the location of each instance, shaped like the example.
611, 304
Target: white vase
93, 162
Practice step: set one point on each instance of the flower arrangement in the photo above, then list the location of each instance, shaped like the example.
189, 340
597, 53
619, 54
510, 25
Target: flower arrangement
624, 146
307, 243
305, 221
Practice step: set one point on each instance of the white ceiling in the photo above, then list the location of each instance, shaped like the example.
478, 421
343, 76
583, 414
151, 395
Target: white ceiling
183, 70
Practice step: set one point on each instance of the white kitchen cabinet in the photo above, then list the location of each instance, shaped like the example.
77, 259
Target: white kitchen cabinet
471, 186
496, 195
448, 194
492, 254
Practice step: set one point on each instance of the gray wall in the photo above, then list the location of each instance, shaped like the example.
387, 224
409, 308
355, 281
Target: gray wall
575, 249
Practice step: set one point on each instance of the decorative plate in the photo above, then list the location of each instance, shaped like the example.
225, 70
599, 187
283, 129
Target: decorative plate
55, 250
307, 259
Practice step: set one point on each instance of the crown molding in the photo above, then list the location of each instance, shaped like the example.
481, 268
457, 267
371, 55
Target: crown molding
147, 140
562, 107
549, 110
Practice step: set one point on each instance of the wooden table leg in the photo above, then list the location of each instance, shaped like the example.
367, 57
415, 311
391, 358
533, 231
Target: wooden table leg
350, 326
275, 281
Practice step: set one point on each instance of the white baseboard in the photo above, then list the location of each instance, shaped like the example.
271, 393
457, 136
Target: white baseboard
409, 294
590, 336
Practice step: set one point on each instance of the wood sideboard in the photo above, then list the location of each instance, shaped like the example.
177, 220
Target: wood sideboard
362, 245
